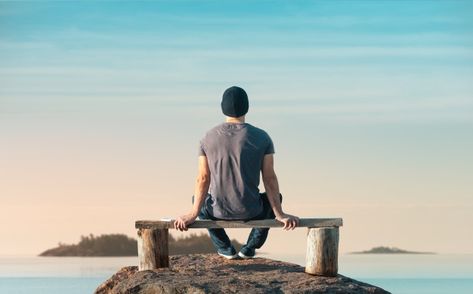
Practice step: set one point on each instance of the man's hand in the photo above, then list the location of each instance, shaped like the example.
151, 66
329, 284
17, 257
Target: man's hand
183, 221
289, 221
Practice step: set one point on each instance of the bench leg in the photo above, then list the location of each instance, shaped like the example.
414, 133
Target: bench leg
153, 249
322, 251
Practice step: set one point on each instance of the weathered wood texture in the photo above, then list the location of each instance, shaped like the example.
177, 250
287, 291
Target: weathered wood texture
322, 241
266, 223
322, 251
153, 251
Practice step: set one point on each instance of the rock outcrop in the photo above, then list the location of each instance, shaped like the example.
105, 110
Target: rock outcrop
210, 273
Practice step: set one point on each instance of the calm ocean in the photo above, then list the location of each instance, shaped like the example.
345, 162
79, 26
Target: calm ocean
403, 273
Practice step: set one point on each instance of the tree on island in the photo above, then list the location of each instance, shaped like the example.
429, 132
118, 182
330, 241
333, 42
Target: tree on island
122, 245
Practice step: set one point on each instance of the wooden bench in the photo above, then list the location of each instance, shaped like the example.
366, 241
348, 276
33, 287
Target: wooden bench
322, 241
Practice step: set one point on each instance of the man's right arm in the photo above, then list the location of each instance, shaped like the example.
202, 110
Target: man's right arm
201, 188
271, 185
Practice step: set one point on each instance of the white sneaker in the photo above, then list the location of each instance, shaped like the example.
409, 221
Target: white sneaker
244, 256
228, 256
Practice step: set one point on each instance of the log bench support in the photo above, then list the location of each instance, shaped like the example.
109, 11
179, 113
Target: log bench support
153, 251
322, 251
322, 241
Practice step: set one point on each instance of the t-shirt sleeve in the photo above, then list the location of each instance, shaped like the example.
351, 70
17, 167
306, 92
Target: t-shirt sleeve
201, 150
270, 148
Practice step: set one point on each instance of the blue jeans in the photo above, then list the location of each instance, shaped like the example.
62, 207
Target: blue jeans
256, 238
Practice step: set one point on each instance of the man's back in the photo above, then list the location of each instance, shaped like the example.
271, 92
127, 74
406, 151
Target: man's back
232, 155
235, 153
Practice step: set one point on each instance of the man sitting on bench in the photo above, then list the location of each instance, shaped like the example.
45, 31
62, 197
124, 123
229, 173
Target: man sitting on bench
231, 157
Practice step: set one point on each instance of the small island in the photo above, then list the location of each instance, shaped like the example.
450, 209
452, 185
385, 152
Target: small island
122, 245
389, 250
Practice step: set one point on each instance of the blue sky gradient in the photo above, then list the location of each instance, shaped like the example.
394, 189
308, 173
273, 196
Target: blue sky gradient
369, 103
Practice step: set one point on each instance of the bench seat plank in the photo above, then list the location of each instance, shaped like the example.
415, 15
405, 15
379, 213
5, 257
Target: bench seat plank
266, 223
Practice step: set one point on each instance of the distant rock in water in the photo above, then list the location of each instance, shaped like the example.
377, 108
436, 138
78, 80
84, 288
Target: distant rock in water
122, 245
210, 273
389, 250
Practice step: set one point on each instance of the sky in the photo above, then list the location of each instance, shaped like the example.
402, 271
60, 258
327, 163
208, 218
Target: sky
369, 105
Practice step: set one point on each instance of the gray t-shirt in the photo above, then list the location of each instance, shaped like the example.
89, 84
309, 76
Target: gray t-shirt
235, 154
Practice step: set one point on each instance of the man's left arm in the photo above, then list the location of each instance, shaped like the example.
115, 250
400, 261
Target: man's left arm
202, 185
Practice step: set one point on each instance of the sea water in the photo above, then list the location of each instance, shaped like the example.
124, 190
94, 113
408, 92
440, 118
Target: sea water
408, 273
397, 273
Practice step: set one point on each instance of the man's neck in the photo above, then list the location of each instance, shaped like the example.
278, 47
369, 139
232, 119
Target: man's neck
235, 120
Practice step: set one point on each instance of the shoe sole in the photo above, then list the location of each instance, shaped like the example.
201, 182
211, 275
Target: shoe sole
228, 256
244, 256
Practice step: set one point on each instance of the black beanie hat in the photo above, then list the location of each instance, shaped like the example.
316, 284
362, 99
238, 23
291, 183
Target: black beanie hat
235, 102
